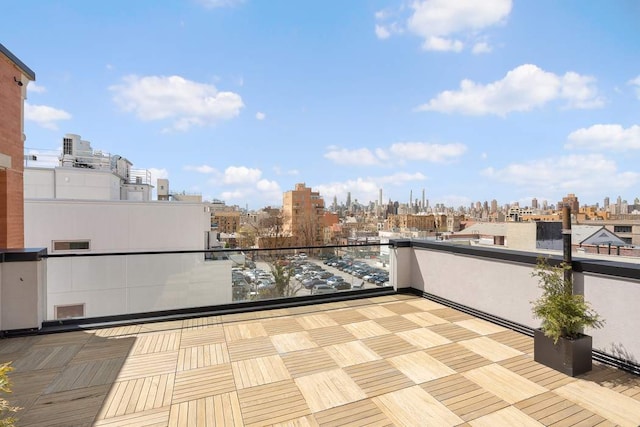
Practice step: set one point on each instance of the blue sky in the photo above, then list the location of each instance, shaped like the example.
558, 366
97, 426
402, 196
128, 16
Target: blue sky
240, 100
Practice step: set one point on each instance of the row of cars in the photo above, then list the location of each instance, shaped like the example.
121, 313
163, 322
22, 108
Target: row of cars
361, 270
315, 278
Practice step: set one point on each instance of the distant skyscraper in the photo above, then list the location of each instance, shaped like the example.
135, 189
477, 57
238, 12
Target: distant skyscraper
349, 200
494, 206
534, 203
424, 206
606, 203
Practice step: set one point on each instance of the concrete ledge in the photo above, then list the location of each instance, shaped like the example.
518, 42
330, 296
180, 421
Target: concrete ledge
22, 255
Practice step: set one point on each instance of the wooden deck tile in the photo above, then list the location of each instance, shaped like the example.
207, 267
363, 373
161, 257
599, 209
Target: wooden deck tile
480, 326
306, 421
453, 332
378, 377
259, 371
366, 329
202, 356
63, 340
104, 348
307, 362
457, 357
509, 416
514, 340
219, 410
415, 407
282, 326
316, 321
156, 343
293, 341
331, 335
375, 312
613, 406
425, 304
46, 357
86, 374
272, 403
536, 372
71, 408
200, 323
243, 331
423, 338
211, 335
251, 348
363, 413
343, 317
465, 398
118, 331
402, 307
450, 314
397, 323
504, 383
420, 367
138, 395
490, 349
389, 345
329, 389
203, 382
152, 418
148, 365
424, 318
351, 353
549, 408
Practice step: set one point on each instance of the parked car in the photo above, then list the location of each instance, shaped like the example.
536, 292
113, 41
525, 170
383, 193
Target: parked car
342, 286
322, 289
310, 283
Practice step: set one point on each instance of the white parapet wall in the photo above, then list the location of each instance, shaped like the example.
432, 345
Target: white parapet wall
499, 283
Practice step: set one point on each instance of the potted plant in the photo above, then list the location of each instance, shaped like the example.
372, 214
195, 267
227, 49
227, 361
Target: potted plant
560, 342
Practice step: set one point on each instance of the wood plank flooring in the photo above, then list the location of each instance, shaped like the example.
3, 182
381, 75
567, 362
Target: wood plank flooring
394, 360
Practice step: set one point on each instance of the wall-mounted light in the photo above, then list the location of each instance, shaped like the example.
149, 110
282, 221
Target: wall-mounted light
18, 82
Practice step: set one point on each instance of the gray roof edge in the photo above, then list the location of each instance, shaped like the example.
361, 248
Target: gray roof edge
26, 70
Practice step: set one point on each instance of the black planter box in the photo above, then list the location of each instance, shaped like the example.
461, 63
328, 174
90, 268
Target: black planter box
571, 357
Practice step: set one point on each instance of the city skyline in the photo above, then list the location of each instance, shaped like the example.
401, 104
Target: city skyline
241, 100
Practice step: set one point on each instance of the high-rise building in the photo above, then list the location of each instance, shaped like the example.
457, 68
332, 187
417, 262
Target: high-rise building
303, 211
570, 200
534, 203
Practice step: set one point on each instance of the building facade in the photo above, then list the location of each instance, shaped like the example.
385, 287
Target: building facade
303, 212
14, 78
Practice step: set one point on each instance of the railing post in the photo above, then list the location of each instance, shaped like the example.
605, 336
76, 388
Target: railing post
400, 263
566, 241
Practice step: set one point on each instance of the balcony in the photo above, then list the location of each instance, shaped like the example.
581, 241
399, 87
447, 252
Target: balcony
377, 356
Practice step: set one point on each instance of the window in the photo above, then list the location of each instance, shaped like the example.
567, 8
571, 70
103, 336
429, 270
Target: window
67, 146
622, 229
69, 311
71, 245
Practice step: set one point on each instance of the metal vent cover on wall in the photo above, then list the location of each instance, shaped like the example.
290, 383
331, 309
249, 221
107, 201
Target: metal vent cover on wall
68, 311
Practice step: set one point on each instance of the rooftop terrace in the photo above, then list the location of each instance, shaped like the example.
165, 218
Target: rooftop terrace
390, 360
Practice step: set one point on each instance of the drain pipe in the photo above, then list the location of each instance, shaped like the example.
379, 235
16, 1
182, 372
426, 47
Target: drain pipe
566, 241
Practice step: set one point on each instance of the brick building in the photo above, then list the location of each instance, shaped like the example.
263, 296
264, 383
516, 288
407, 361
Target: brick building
14, 77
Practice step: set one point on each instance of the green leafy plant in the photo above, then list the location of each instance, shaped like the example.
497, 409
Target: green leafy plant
563, 313
6, 410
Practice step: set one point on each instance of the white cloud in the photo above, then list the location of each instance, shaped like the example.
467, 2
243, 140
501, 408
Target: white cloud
605, 137
260, 115
201, 169
481, 47
241, 175
35, 88
522, 89
435, 153
186, 103
357, 157
397, 153
438, 21
266, 185
382, 32
214, 4
442, 45
579, 174
278, 171
636, 82
45, 116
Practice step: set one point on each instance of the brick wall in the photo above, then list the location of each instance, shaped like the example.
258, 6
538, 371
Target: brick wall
11, 144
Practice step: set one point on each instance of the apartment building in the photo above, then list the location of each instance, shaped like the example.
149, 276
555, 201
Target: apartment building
303, 213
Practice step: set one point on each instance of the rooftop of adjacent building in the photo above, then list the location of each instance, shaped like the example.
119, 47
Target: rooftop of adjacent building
395, 359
